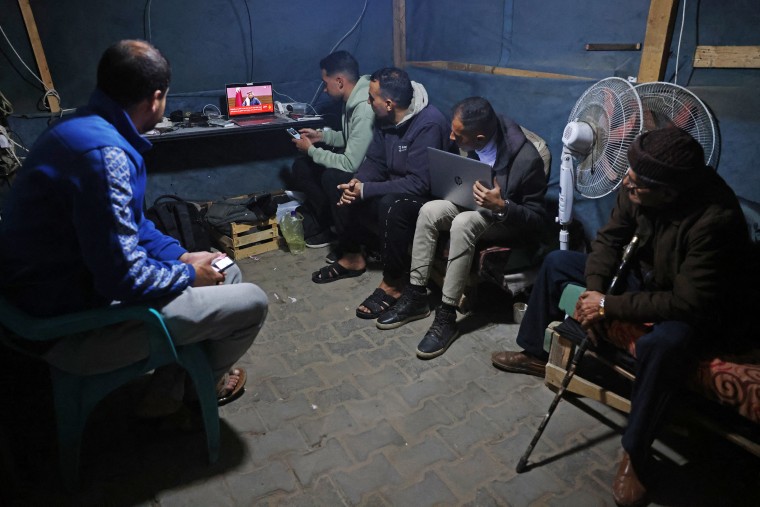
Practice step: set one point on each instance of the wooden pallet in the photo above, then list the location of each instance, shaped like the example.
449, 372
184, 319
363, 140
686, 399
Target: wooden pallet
248, 239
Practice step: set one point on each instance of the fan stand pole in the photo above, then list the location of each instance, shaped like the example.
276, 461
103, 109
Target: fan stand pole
565, 210
564, 238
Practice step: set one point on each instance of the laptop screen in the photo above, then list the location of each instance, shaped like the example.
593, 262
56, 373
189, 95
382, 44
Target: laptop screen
249, 100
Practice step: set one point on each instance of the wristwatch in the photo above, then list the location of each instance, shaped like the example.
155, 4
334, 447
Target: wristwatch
501, 215
601, 307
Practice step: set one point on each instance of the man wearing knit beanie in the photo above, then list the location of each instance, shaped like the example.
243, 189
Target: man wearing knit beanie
685, 279
668, 156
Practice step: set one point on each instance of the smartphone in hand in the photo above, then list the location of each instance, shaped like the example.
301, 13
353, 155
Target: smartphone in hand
222, 263
293, 132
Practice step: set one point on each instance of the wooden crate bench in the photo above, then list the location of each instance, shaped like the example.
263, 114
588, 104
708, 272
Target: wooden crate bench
248, 239
730, 380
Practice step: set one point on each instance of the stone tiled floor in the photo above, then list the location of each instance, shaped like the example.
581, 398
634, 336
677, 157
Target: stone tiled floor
338, 412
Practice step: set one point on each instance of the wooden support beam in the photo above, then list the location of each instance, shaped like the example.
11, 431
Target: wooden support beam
39, 54
633, 46
654, 57
490, 69
726, 57
399, 33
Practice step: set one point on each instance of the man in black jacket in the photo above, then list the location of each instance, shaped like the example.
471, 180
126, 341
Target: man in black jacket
514, 213
389, 188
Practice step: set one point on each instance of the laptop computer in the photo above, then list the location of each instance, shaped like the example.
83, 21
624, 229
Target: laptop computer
252, 104
452, 177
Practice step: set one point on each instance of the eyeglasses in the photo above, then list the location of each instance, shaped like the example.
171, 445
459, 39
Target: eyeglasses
632, 186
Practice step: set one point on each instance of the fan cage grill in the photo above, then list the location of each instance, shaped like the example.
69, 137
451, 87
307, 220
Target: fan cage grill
613, 110
666, 104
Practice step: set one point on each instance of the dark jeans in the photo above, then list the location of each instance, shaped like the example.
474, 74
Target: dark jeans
319, 185
387, 221
663, 356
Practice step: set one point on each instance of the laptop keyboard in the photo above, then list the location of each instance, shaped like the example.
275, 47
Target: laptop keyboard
262, 121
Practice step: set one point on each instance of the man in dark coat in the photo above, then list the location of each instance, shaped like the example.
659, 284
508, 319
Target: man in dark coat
686, 279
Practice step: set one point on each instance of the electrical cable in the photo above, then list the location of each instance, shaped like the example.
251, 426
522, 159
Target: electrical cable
7, 168
316, 113
13, 153
284, 95
350, 31
218, 111
48, 91
250, 36
18, 145
680, 37
361, 16
5, 105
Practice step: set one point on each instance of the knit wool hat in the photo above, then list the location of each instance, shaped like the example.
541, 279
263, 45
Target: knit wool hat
669, 156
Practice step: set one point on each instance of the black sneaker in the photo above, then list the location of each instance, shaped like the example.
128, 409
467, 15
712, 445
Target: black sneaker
441, 334
321, 240
411, 306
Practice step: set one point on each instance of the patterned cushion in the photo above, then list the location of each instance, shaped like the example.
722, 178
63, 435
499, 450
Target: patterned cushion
731, 380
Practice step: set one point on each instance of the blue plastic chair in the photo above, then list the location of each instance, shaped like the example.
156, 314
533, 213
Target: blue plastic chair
75, 396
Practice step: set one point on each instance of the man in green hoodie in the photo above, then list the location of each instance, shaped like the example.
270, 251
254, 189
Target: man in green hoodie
319, 173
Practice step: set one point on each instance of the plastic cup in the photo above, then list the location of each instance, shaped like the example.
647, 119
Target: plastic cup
518, 311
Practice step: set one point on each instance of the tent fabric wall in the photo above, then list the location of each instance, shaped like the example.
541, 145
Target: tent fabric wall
550, 36
545, 36
208, 44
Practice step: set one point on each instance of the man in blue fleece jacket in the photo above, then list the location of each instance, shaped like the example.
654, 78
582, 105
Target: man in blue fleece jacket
390, 186
78, 199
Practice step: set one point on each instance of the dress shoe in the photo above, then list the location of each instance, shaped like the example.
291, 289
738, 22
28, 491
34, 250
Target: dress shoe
441, 334
519, 362
627, 489
412, 305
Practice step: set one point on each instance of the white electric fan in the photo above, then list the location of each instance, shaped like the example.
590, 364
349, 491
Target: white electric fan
668, 104
601, 127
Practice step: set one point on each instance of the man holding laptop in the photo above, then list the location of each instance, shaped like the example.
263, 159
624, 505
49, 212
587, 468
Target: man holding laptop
510, 208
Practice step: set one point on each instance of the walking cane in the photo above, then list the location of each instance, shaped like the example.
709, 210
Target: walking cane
579, 352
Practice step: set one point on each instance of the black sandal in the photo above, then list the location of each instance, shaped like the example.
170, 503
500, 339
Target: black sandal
377, 303
333, 272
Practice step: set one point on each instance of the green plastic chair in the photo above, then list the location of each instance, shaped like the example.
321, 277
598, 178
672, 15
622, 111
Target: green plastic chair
75, 395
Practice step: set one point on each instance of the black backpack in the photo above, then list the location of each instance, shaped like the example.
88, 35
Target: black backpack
182, 220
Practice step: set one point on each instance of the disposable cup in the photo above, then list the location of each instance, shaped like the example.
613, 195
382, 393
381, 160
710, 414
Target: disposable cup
518, 311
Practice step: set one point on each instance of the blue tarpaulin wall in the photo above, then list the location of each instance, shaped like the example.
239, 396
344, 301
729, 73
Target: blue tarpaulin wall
209, 44
213, 42
550, 36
